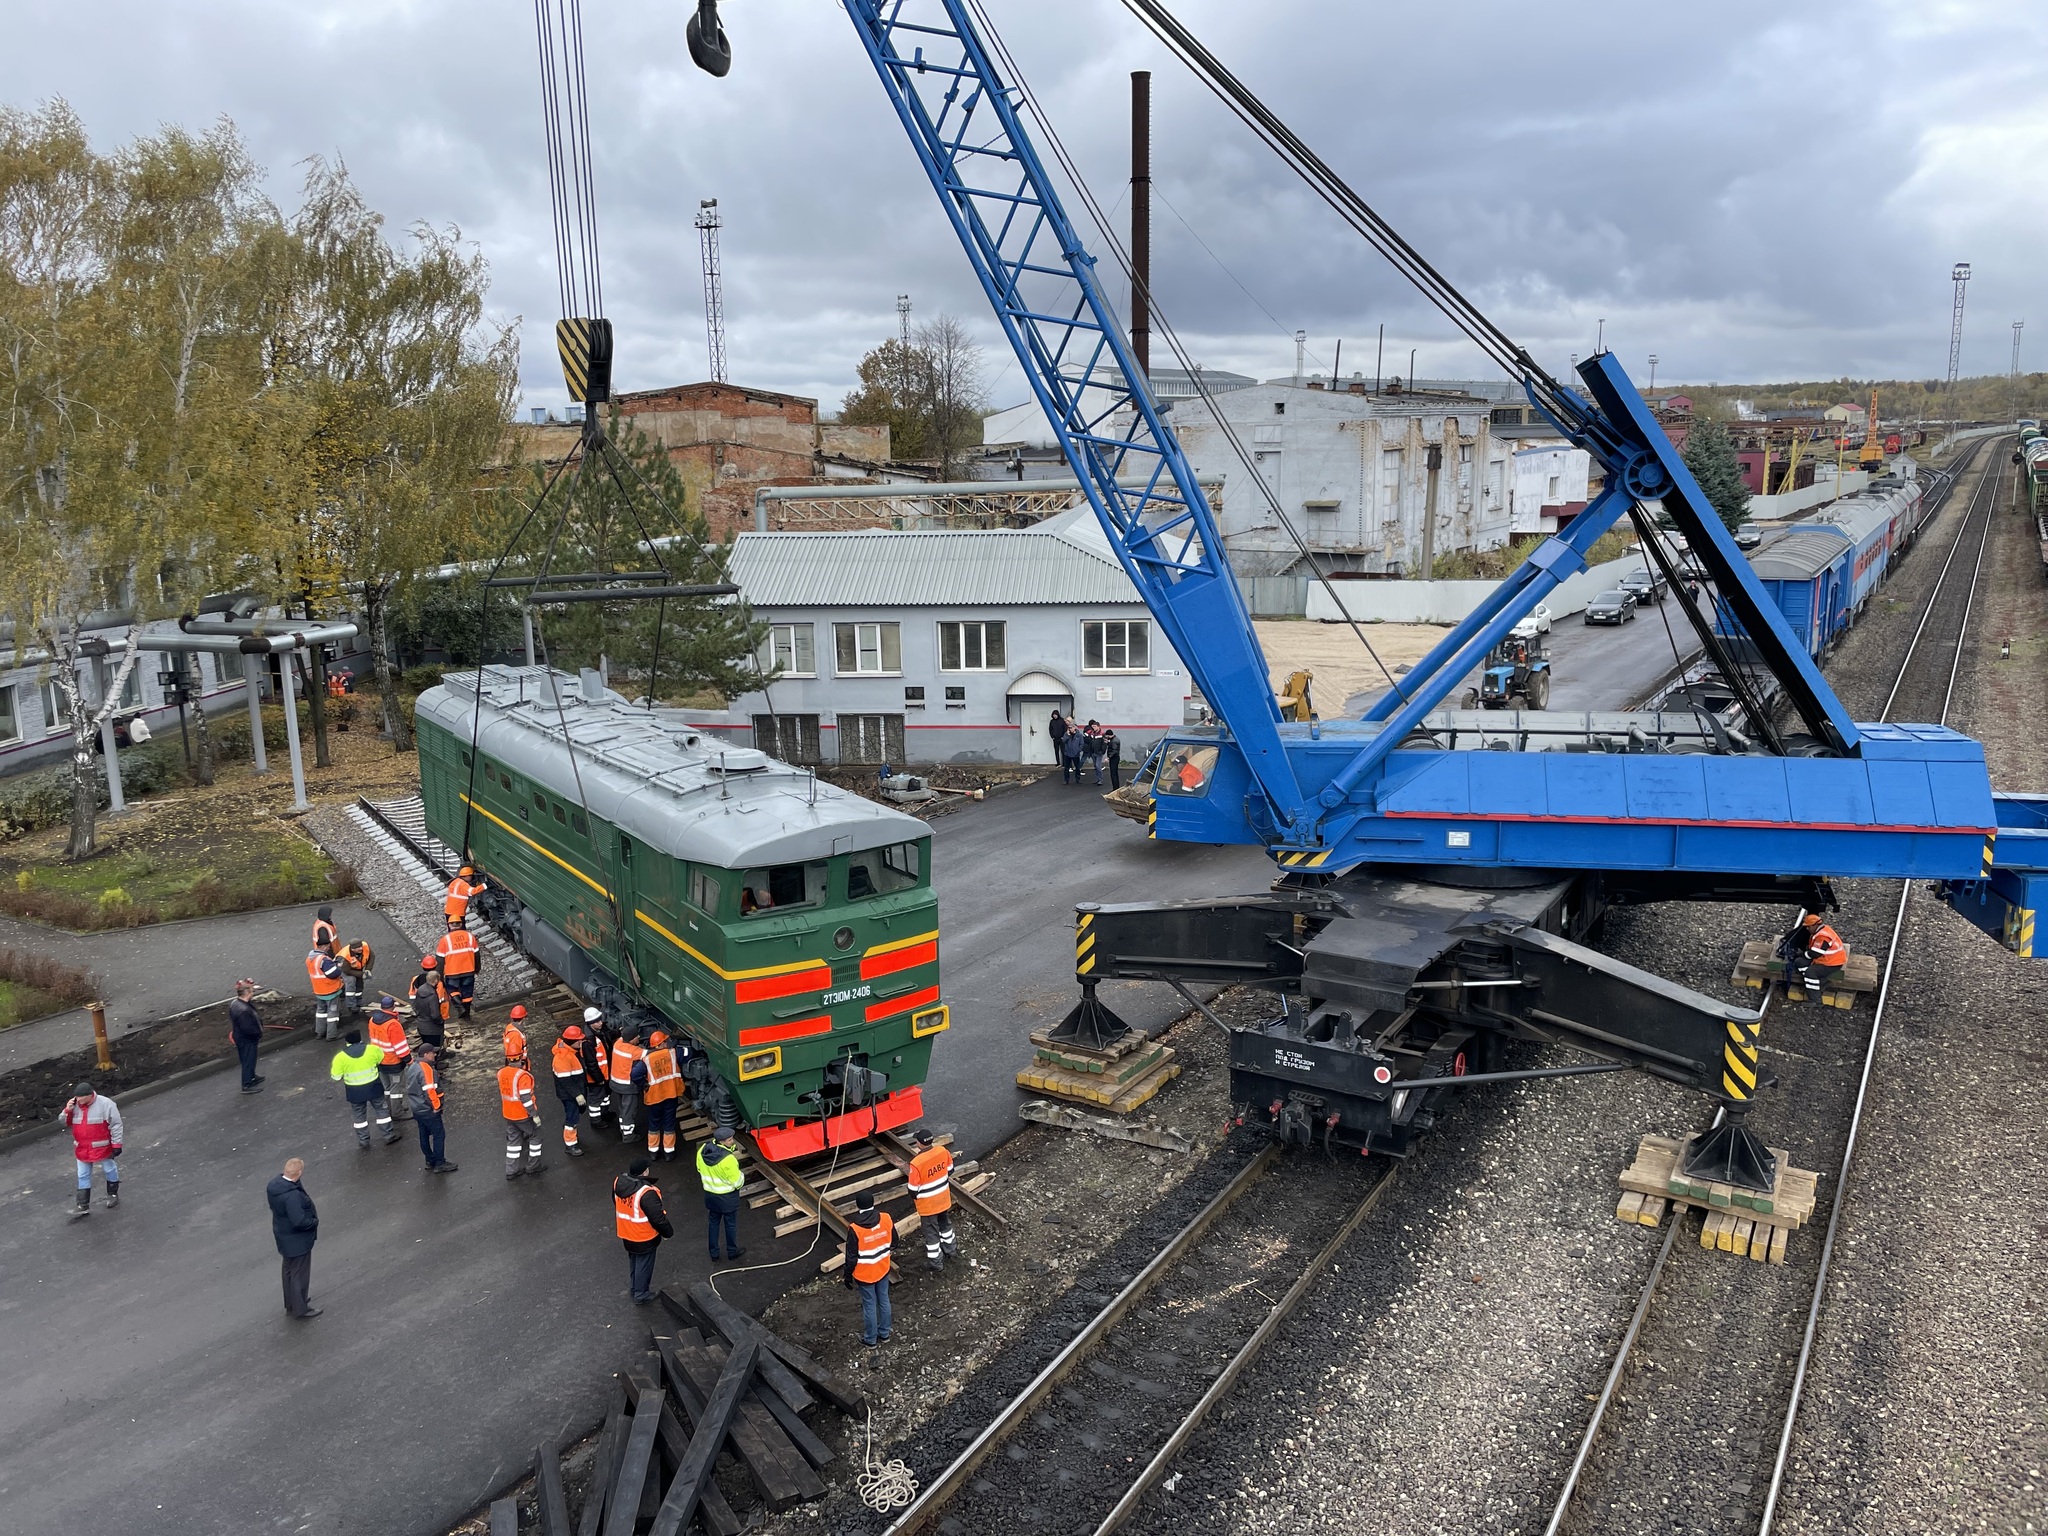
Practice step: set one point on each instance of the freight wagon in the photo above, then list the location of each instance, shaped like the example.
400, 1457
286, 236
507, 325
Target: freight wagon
1821, 572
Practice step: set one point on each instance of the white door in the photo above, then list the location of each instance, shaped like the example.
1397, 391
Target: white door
1037, 741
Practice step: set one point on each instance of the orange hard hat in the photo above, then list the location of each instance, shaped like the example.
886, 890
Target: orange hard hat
518, 1011
656, 1040
573, 1032
428, 962
467, 869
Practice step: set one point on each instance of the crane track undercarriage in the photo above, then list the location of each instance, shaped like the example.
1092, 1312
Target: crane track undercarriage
1395, 990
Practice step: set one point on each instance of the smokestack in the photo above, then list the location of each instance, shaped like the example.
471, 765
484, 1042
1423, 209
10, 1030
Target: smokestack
1141, 218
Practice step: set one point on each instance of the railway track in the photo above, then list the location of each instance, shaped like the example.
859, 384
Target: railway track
1141, 1376
1922, 689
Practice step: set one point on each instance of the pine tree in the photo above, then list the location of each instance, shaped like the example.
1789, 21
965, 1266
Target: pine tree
1710, 455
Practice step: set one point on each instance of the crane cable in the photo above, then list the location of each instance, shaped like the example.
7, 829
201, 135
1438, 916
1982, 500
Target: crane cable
565, 124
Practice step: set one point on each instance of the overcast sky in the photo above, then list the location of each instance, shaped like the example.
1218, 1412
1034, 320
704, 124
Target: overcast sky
1749, 196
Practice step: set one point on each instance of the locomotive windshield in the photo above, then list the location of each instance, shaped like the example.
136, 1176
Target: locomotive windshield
879, 871
782, 885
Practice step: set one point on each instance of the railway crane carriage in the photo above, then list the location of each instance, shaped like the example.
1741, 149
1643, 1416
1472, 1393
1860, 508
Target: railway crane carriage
786, 927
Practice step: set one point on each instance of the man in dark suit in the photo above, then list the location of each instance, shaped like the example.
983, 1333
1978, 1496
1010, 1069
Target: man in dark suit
295, 1225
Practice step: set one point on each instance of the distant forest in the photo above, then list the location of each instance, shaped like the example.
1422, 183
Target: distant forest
1995, 397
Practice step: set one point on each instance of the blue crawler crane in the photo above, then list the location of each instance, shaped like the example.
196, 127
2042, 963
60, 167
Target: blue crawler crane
1436, 881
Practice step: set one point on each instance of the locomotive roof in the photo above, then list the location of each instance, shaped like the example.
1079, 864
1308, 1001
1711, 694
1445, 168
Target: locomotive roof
657, 777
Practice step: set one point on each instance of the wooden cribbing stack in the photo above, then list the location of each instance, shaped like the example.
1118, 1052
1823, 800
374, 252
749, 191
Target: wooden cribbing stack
1761, 965
827, 1183
1118, 1077
715, 1382
1738, 1220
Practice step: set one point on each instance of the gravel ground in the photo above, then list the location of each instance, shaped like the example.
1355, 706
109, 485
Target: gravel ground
1928, 1406
413, 910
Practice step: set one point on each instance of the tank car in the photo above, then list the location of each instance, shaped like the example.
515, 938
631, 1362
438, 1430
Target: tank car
785, 927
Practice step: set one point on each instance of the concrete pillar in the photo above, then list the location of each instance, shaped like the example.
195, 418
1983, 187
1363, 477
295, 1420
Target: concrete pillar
291, 730
117, 806
252, 675
526, 618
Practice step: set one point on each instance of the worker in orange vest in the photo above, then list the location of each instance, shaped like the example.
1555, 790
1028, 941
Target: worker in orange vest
324, 931
1813, 947
522, 1118
566, 1061
387, 1033
325, 973
424, 1098
430, 1002
462, 890
625, 1055
356, 959
659, 1077
515, 1032
869, 1236
642, 1224
597, 1079
931, 1183
459, 958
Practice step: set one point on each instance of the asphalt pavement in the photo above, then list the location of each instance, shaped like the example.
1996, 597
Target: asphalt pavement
167, 968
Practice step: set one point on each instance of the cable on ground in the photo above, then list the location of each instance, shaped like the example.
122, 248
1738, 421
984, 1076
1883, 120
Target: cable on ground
884, 1485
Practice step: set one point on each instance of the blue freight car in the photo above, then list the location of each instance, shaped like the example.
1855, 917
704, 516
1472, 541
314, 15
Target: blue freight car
1820, 573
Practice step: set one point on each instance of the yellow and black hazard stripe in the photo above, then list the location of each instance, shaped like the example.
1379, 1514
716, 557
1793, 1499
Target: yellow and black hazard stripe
1990, 844
1738, 1059
2019, 931
1303, 858
586, 349
1152, 819
1084, 943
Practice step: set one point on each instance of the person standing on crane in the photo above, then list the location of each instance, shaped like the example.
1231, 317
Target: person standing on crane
931, 1183
459, 959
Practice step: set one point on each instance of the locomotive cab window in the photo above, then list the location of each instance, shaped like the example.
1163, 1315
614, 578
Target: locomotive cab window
881, 871
703, 892
780, 886
1187, 770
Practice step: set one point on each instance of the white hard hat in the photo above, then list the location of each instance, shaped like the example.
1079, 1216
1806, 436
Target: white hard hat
593, 1015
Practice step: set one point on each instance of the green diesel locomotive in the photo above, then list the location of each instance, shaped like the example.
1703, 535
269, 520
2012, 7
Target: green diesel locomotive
785, 926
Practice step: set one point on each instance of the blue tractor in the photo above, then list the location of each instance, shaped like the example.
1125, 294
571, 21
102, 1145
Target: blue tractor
1516, 669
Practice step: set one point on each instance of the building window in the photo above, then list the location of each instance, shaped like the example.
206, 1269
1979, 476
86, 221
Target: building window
793, 738
871, 739
1322, 521
974, 646
1390, 480
56, 707
131, 691
10, 719
1505, 416
956, 698
865, 649
1116, 645
789, 651
1279, 407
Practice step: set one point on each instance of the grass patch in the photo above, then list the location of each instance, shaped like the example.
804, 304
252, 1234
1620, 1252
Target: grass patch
170, 871
33, 985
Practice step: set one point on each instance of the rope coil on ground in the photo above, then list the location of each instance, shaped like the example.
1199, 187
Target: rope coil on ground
884, 1485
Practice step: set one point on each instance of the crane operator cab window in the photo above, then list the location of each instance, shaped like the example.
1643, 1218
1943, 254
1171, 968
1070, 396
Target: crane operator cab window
1186, 770
881, 871
780, 886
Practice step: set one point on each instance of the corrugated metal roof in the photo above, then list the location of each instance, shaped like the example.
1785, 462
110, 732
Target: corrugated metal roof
1064, 559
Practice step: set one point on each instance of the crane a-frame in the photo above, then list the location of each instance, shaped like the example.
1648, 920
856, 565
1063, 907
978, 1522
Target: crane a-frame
1432, 898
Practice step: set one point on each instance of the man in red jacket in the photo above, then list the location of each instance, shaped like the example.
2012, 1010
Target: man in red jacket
96, 1131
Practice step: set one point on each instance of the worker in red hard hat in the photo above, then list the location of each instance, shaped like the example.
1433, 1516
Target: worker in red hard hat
515, 1032
566, 1061
430, 1003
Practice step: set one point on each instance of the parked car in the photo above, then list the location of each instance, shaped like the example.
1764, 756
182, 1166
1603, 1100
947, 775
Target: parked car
1611, 608
1645, 586
1748, 536
1533, 623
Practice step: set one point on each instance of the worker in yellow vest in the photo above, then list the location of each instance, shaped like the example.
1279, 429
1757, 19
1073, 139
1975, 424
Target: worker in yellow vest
659, 1077
718, 1169
522, 1118
355, 1067
462, 890
387, 1033
325, 973
869, 1236
931, 1183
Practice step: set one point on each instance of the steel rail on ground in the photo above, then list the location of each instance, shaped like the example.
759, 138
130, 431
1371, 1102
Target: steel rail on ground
1598, 1418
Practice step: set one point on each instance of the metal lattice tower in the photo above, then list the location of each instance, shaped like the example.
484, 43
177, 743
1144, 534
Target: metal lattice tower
2017, 327
903, 320
714, 288
1961, 275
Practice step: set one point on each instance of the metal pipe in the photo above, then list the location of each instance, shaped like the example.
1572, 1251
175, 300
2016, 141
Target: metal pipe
291, 731
99, 1035
1141, 220
910, 490
534, 581
270, 635
634, 594
1479, 1079
526, 619
252, 678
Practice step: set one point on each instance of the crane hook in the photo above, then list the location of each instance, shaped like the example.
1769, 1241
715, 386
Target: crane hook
709, 46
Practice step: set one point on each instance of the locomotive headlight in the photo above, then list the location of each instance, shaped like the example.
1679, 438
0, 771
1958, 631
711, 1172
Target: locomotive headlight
843, 939
930, 1021
760, 1063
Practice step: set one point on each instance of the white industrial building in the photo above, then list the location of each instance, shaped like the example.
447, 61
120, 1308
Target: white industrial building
948, 645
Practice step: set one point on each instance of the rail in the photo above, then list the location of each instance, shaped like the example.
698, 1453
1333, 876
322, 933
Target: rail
404, 839
1597, 1420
